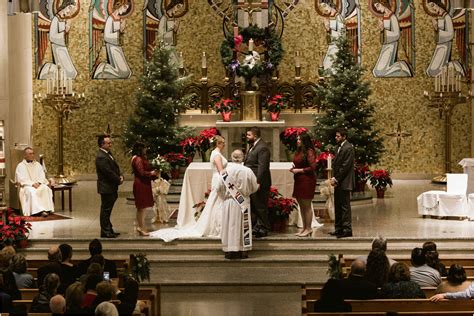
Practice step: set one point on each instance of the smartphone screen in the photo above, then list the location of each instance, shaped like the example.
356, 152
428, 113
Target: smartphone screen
106, 276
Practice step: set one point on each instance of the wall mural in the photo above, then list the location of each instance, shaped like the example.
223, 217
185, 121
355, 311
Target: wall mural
161, 20
396, 24
448, 24
341, 17
106, 28
52, 24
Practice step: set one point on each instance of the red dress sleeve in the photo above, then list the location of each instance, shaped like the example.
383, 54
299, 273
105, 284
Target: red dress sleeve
311, 159
141, 168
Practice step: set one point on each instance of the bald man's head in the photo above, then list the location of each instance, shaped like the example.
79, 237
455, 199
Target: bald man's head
54, 254
237, 156
358, 268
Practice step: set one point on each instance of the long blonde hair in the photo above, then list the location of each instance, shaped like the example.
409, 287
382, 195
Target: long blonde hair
217, 139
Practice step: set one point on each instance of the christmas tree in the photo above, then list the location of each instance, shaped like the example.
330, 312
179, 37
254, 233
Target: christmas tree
159, 101
344, 96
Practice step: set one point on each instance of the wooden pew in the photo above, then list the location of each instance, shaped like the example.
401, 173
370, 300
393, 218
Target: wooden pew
444, 313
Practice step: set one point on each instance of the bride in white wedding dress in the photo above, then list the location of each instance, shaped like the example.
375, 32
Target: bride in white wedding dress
209, 223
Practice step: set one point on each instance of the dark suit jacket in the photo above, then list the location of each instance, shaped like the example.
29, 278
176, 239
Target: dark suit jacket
358, 288
343, 167
109, 265
108, 173
258, 159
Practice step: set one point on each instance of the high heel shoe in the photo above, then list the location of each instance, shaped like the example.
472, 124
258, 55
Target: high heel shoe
141, 232
305, 234
299, 232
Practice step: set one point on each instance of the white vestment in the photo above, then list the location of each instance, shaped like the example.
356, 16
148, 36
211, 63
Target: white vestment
33, 200
167, 34
245, 182
209, 223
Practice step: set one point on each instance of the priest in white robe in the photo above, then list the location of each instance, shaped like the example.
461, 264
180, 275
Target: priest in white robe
35, 195
245, 182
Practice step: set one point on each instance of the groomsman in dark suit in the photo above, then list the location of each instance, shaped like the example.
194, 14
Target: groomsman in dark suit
108, 180
343, 181
258, 159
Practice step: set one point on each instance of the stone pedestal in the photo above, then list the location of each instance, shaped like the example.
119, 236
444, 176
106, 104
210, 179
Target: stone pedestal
250, 110
224, 128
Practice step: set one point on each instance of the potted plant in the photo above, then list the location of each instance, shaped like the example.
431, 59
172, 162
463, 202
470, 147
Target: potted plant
288, 137
189, 145
139, 267
280, 209
362, 174
274, 105
13, 229
379, 179
225, 107
204, 142
176, 160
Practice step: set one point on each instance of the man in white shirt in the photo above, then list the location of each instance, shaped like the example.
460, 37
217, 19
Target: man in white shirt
35, 195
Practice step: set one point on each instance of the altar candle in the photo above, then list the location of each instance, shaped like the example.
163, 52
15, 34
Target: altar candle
251, 45
236, 31
297, 59
329, 162
204, 60
181, 60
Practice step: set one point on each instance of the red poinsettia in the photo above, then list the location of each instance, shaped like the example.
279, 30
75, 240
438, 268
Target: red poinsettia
275, 103
289, 135
189, 145
362, 173
205, 137
279, 205
225, 105
13, 227
380, 178
176, 159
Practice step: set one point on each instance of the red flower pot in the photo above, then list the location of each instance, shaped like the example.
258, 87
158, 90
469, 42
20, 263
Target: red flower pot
280, 225
22, 243
175, 173
274, 116
380, 193
360, 186
226, 116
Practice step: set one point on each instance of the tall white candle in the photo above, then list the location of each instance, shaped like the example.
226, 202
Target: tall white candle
181, 60
251, 45
297, 59
204, 60
329, 162
236, 31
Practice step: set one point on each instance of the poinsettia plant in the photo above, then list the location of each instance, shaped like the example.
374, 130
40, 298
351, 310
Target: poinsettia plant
13, 227
176, 159
322, 160
362, 173
275, 103
380, 178
289, 136
205, 137
279, 205
225, 105
190, 145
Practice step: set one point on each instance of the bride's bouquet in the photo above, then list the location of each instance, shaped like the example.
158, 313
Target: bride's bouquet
161, 164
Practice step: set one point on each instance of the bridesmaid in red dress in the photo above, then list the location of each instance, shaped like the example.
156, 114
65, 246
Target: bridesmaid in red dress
142, 193
304, 166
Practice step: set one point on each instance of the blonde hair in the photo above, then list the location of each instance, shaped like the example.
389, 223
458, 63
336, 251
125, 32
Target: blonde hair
217, 139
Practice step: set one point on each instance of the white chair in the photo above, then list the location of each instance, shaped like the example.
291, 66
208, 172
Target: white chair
450, 203
470, 205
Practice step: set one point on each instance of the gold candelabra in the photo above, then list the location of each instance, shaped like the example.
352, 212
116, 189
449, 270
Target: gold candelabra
61, 97
447, 94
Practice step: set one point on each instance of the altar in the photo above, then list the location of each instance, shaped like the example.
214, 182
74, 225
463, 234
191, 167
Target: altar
197, 180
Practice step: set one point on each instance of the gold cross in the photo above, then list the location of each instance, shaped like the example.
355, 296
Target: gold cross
399, 134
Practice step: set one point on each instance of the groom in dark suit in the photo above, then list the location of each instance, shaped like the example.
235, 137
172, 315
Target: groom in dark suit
108, 180
343, 181
258, 159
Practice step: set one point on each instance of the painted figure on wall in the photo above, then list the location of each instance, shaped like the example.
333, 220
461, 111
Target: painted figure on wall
388, 63
116, 66
62, 13
442, 20
341, 18
162, 24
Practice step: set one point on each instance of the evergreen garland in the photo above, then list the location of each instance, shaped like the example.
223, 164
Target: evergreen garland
159, 101
345, 99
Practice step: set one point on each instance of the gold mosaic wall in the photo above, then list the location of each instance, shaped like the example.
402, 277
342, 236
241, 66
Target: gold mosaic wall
398, 100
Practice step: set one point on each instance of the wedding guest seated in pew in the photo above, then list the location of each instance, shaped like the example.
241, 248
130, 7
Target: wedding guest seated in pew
47, 290
399, 284
69, 272
420, 272
356, 286
129, 298
332, 298
380, 243
57, 305
53, 265
377, 267
95, 248
8, 252
432, 258
456, 280
105, 292
9, 283
74, 295
91, 293
106, 309
5, 299
19, 266
460, 295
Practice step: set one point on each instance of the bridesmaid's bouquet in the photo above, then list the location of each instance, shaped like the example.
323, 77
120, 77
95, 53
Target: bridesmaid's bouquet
161, 164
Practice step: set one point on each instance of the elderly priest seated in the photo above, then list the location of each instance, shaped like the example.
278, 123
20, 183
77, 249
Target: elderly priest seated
35, 196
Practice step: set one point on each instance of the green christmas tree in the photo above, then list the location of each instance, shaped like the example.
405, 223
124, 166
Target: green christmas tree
159, 102
344, 96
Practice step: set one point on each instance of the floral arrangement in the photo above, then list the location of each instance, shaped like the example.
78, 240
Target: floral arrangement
380, 178
200, 205
176, 159
205, 137
13, 228
161, 164
322, 160
275, 103
362, 173
279, 205
189, 145
140, 267
289, 135
334, 267
225, 105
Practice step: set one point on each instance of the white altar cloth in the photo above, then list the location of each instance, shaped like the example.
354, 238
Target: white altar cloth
468, 166
197, 180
